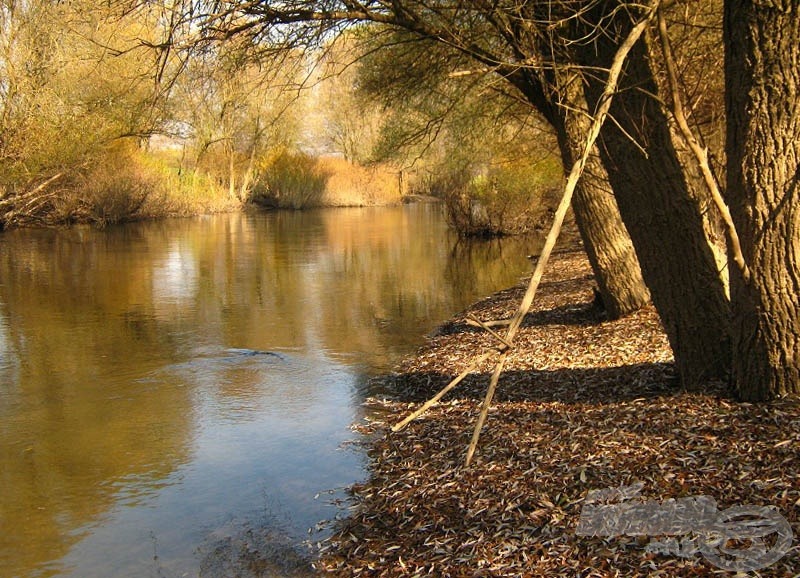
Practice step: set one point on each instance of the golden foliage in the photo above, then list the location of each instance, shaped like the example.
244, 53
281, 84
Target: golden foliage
350, 184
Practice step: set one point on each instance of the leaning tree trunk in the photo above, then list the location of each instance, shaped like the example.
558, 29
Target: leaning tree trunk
607, 242
662, 214
763, 185
608, 246
605, 238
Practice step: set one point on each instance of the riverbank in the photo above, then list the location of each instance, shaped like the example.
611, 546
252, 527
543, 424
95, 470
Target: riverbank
127, 184
584, 404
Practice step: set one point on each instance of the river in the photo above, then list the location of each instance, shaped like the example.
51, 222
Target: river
177, 394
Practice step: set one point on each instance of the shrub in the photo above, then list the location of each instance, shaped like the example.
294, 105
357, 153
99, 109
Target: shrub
115, 188
291, 180
512, 198
185, 191
354, 185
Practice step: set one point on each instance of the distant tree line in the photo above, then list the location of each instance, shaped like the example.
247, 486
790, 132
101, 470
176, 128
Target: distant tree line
113, 111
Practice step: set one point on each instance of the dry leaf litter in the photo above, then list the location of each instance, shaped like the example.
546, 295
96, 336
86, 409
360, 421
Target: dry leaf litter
584, 403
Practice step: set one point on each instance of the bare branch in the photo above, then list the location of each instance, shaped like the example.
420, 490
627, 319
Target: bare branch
700, 153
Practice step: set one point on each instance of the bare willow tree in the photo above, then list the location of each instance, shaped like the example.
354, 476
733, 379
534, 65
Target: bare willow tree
457, 133
77, 85
233, 111
352, 121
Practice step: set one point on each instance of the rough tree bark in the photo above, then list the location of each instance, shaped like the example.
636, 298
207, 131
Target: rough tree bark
608, 245
559, 98
607, 242
762, 51
662, 213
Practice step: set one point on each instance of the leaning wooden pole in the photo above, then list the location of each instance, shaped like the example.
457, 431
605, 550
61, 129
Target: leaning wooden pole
575, 173
487, 402
432, 401
558, 220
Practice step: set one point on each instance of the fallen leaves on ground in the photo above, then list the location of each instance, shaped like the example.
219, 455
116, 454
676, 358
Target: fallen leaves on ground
584, 404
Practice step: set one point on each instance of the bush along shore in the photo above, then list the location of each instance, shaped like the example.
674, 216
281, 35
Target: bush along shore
584, 404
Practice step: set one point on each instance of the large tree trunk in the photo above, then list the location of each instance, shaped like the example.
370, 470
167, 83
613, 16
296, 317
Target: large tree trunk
605, 238
607, 242
609, 248
763, 186
663, 214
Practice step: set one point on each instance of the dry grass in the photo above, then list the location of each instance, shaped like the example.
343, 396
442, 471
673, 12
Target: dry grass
188, 198
352, 185
125, 184
121, 184
585, 404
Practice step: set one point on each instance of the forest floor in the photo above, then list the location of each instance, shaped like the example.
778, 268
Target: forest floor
584, 404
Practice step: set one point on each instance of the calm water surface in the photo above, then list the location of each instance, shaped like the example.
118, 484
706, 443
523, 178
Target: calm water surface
175, 394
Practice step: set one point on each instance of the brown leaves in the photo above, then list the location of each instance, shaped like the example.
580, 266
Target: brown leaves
585, 404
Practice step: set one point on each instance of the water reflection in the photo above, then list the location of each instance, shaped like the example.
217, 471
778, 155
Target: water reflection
140, 410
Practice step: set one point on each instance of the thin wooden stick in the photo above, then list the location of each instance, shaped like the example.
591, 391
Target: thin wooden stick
493, 323
487, 402
492, 332
427, 405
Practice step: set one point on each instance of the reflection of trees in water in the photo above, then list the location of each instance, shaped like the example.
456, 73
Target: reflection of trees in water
476, 264
94, 318
399, 284
9, 363
75, 419
390, 288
